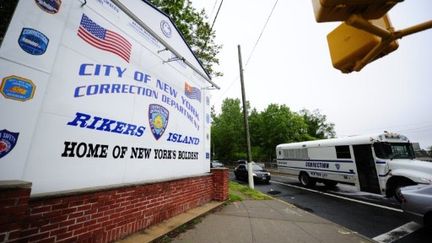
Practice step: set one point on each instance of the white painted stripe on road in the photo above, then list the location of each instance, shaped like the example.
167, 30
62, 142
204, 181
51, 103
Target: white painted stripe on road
340, 197
398, 233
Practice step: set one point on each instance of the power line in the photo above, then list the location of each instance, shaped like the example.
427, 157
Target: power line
217, 13
253, 49
214, 6
262, 31
211, 28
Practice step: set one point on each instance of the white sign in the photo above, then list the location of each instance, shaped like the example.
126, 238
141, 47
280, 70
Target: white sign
87, 99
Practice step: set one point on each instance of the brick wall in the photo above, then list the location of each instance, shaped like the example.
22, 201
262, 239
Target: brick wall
220, 183
104, 215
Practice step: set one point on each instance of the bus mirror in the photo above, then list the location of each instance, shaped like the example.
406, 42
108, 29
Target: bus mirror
352, 48
341, 10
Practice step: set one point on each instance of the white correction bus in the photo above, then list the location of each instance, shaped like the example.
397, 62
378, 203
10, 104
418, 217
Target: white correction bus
379, 163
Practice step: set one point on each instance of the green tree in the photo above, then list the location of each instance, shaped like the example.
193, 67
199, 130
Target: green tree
227, 135
255, 125
194, 28
430, 151
278, 124
275, 125
317, 125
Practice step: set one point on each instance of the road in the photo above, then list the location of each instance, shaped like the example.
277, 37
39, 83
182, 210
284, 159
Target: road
371, 215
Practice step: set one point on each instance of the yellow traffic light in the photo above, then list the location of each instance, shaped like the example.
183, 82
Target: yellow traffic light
340, 10
366, 33
352, 48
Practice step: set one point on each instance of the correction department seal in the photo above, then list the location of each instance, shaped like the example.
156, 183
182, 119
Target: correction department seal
158, 119
166, 28
17, 88
33, 41
49, 6
7, 141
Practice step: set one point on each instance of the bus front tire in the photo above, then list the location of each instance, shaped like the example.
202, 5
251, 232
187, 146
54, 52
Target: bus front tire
306, 180
397, 183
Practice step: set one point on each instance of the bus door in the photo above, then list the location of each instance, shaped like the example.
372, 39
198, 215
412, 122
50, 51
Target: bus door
366, 170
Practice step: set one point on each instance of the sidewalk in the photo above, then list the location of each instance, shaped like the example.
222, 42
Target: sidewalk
267, 221
263, 221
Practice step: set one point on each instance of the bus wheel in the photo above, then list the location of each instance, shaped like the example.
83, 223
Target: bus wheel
399, 184
306, 180
330, 184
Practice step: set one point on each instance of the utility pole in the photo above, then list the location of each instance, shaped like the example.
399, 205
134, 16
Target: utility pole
246, 123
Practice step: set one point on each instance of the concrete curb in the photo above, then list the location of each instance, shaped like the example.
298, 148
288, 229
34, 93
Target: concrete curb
159, 230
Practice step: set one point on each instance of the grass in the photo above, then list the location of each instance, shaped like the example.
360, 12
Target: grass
238, 192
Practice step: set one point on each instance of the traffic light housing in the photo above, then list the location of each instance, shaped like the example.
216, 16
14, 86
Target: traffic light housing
366, 33
349, 45
341, 10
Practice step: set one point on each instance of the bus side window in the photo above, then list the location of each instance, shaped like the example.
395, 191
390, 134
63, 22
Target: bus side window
343, 152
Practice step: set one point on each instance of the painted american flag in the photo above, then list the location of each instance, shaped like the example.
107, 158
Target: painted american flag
192, 92
104, 39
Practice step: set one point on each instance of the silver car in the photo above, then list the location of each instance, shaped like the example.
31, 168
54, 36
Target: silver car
416, 202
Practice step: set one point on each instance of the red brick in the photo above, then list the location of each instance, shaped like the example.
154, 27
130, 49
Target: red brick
84, 237
58, 231
84, 207
60, 206
37, 237
67, 223
7, 202
75, 227
14, 193
122, 211
68, 210
36, 210
14, 234
75, 215
52, 214
58, 219
76, 203
84, 218
65, 236
90, 222
14, 210
71, 239
80, 231
105, 218
48, 240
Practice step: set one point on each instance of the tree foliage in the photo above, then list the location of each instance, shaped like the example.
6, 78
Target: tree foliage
228, 136
275, 125
195, 29
317, 124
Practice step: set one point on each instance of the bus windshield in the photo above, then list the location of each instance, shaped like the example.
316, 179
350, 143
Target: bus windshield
394, 150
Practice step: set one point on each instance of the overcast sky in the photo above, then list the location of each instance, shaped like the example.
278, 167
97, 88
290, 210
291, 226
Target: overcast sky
291, 65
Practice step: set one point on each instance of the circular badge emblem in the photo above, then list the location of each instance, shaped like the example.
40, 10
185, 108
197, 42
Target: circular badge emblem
166, 28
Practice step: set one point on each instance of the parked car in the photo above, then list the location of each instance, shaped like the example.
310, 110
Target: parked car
241, 162
259, 173
216, 164
416, 202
